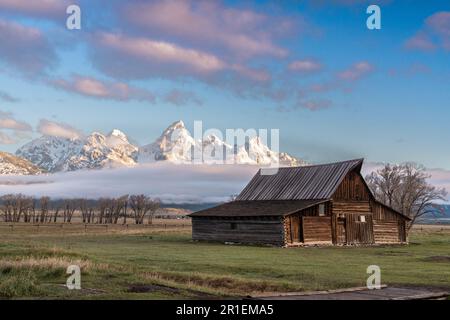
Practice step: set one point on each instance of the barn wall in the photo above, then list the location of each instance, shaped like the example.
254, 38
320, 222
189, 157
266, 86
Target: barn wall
389, 226
358, 232
316, 230
293, 224
254, 230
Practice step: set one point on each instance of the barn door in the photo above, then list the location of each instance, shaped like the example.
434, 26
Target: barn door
295, 229
341, 237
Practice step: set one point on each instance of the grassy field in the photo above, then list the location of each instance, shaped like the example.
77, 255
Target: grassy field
161, 262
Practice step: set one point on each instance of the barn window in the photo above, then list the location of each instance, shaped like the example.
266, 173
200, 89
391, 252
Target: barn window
362, 218
233, 226
321, 209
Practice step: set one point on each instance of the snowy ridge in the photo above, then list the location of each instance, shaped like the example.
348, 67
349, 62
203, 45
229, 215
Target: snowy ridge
10, 164
175, 145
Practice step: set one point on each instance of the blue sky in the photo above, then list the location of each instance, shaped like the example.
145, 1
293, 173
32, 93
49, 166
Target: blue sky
335, 89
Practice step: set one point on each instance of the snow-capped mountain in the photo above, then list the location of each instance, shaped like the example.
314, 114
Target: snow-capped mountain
92, 152
10, 164
175, 145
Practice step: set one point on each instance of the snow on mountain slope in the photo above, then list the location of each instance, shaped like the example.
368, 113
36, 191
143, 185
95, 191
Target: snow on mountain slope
92, 152
49, 152
10, 164
175, 145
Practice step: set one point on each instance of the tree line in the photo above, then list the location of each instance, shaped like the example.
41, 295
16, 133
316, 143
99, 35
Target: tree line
124, 209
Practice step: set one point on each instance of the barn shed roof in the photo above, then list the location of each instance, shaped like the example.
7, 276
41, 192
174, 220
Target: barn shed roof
299, 183
256, 208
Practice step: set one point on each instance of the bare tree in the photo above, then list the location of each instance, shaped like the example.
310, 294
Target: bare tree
6, 207
70, 205
141, 205
152, 206
16, 206
87, 210
120, 208
56, 209
103, 204
44, 207
405, 188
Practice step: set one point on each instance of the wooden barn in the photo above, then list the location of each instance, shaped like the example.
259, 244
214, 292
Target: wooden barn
320, 204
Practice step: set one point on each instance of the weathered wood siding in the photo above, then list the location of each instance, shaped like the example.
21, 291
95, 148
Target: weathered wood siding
253, 230
351, 206
381, 212
386, 231
352, 188
353, 199
358, 232
316, 229
389, 226
294, 223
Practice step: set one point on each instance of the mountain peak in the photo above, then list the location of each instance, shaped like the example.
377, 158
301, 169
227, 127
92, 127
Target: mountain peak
118, 134
177, 125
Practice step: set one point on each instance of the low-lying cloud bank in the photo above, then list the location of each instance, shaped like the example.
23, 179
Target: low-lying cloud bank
170, 182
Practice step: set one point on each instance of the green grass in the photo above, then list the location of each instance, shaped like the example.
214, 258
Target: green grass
166, 264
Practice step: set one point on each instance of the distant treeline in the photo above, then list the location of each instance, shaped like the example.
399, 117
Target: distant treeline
22, 208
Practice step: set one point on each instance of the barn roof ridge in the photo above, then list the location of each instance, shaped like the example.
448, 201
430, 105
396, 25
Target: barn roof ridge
319, 164
299, 183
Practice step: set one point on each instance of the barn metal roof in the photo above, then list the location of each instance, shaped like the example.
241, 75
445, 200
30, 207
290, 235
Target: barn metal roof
299, 183
256, 208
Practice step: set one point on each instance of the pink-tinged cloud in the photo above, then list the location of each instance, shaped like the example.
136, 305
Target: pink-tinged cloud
95, 88
243, 33
24, 48
7, 121
420, 41
439, 23
36, 8
315, 104
146, 58
356, 71
434, 34
305, 66
162, 52
258, 75
57, 129
179, 97
7, 139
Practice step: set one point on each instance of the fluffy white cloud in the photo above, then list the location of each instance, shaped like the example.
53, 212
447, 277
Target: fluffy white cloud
63, 130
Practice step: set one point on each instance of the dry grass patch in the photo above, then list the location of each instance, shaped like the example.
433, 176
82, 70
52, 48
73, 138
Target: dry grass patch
226, 286
47, 263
